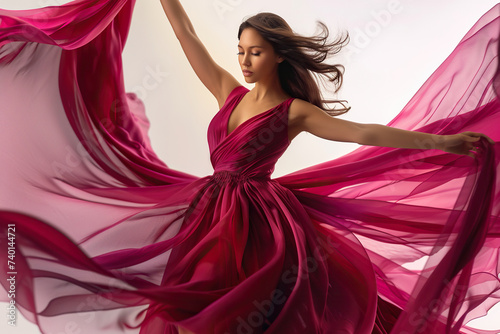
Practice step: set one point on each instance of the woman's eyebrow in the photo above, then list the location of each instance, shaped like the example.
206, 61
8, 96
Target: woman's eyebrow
251, 47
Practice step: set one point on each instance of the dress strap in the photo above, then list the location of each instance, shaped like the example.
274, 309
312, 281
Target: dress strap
235, 93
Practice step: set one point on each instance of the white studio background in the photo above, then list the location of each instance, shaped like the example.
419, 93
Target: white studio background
395, 46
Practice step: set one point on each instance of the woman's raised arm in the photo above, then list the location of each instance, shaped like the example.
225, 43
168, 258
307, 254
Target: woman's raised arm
217, 80
314, 120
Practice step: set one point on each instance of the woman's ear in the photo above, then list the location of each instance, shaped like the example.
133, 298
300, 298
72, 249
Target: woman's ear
280, 59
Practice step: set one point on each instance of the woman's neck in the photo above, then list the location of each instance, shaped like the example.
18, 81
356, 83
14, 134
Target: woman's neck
268, 90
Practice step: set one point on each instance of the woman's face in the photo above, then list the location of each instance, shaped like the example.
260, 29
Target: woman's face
256, 56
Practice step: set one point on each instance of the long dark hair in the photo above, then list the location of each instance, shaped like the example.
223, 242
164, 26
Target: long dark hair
304, 57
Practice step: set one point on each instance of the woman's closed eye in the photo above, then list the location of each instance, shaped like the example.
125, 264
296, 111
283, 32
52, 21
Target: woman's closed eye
253, 54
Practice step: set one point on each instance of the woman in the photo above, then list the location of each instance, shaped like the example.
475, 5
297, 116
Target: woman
321, 251
276, 60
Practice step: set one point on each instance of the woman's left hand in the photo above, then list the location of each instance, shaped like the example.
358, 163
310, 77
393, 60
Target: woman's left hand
463, 143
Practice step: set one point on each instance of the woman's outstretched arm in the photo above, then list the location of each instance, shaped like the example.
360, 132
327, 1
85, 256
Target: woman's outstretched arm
314, 120
217, 80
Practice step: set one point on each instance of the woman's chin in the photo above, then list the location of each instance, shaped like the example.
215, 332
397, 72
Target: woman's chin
249, 80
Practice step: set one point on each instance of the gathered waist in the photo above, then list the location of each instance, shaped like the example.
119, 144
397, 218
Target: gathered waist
226, 176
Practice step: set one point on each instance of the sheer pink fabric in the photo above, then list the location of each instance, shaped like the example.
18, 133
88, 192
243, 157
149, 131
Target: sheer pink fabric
109, 239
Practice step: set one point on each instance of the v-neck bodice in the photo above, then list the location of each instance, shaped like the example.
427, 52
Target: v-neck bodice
255, 145
238, 101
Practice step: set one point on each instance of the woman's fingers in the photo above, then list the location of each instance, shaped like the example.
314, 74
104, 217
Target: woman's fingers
477, 135
489, 139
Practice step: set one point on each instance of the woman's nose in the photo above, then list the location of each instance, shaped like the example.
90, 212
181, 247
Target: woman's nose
246, 60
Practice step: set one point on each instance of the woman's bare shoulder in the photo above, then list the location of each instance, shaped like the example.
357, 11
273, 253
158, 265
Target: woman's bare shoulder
227, 89
300, 108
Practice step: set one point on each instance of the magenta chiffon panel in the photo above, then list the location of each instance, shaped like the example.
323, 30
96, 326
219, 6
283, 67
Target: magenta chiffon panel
109, 239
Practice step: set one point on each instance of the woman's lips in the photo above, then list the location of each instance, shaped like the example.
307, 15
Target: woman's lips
247, 73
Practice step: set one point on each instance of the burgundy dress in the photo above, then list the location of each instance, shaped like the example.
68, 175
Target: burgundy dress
106, 238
